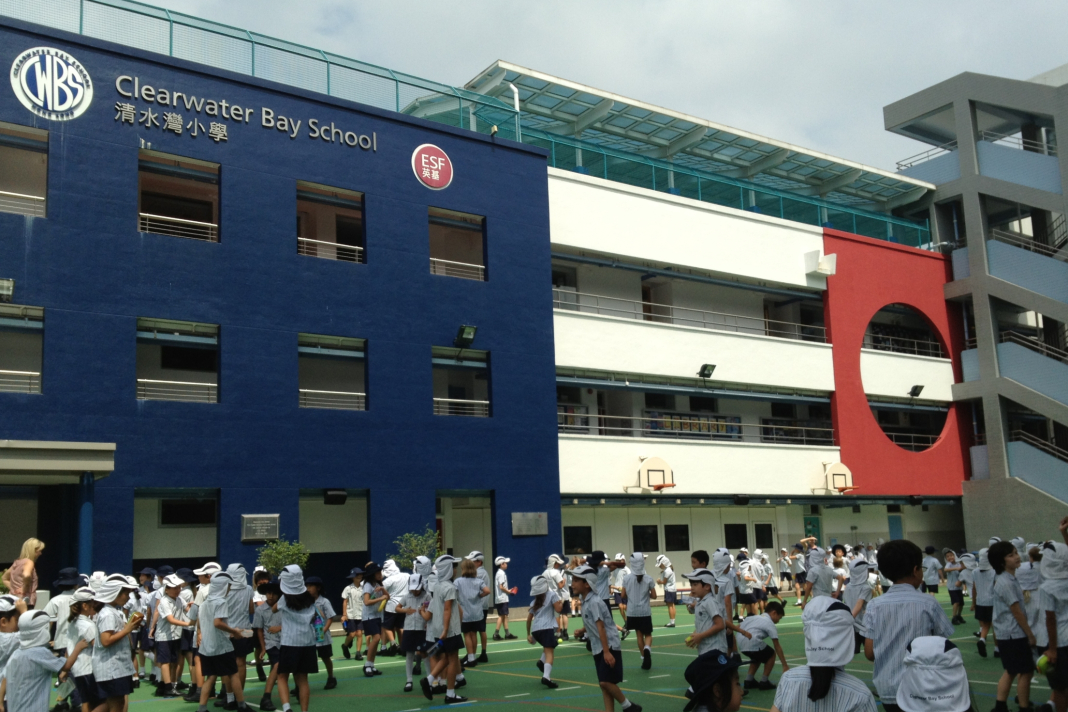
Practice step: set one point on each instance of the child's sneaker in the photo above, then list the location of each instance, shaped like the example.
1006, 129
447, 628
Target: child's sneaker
483, 658
497, 636
765, 685
331, 683
455, 700
266, 705
346, 650
982, 648
549, 683
510, 636
647, 659
428, 691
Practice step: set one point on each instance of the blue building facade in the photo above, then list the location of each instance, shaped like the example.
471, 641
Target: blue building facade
96, 271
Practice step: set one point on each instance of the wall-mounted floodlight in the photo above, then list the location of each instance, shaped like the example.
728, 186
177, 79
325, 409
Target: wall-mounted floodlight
7, 290
741, 499
465, 336
706, 370
493, 130
915, 391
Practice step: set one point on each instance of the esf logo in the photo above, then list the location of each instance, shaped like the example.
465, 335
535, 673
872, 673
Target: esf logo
51, 83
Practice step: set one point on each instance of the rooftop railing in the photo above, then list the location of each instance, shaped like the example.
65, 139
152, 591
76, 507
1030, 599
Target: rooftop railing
458, 406
1028, 243
684, 316
1049, 448
20, 381
915, 442
177, 227
20, 204
329, 250
666, 176
926, 155
463, 270
334, 400
901, 345
191, 38
1015, 140
1035, 345
709, 427
185, 391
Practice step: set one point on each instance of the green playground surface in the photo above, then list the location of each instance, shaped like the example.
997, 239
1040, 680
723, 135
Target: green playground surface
511, 678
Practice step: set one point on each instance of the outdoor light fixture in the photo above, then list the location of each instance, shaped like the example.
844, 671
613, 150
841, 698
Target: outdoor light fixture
7, 290
493, 131
465, 336
706, 370
335, 496
915, 500
915, 391
741, 499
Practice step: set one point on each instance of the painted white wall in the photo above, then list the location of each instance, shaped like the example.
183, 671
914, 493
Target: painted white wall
591, 464
613, 218
152, 541
885, 373
631, 346
18, 522
20, 351
940, 526
333, 527
468, 524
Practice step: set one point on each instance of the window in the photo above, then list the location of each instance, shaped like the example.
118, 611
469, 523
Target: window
783, 410
23, 170
187, 512
332, 372
659, 401
893, 509
568, 394
177, 361
330, 223
461, 381
457, 245
578, 540
676, 537
819, 411
702, 404
178, 196
736, 536
765, 536
646, 537
21, 348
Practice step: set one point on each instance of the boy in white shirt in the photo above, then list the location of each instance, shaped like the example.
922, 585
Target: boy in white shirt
443, 631
1010, 625
667, 580
953, 569
500, 597
324, 646
983, 600
932, 571
600, 630
760, 627
352, 615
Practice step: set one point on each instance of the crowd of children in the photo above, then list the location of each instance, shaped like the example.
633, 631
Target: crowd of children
99, 634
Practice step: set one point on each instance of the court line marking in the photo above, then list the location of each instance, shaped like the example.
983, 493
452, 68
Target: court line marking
524, 694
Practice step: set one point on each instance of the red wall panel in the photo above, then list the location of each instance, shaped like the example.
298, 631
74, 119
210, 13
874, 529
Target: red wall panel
871, 274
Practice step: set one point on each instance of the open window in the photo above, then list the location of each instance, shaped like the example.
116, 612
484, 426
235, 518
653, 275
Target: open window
23, 170
177, 361
461, 382
332, 372
457, 245
21, 348
330, 223
178, 196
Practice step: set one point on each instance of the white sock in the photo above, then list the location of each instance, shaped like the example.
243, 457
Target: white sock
409, 663
460, 677
229, 697
542, 657
548, 674
626, 703
450, 693
672, 621
430, 679
648, 648
285, 707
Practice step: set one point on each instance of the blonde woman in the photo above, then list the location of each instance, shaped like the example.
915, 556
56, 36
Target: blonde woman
21, 578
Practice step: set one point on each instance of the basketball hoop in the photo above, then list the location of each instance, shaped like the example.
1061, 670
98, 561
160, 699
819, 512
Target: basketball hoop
657, 488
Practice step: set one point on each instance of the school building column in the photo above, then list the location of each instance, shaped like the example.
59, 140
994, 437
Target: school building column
113, 529
393, 512
85, 522
235, 501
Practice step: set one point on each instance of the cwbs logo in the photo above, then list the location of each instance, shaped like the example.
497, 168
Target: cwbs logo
51, 83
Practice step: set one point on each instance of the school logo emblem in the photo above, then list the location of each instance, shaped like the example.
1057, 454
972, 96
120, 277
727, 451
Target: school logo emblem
51, 83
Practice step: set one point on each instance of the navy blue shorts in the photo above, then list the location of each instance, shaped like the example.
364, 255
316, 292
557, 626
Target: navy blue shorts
1016, 656
294, 659
801, 578
413, 641
119, 687
956, 596
325, 652
620, 599
272, 656
1058, 677
372, 626
389, 620
168, 651
642, 624
671, 597
984, 614
565, 609
785, 576
352, 626
546, 638
452, 644
187, 640
502, 610
89, 690
218, 665
760, 656
612, 674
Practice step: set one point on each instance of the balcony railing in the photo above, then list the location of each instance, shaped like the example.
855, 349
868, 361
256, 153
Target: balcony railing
901, 345
1034, 345
791, 431
177, 227
696, 426
335, 400
572, 418
1028, 243
20, 382
186, 391
462, 270
1023, 436
21, 204
1016, 141
911, 441
457, 406
684, 316
926, 155
329, 250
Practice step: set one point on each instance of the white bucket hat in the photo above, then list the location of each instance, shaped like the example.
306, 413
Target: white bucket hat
934, 679
207, 569
538, 585
554, 559
637, 563
291, 581
501, 560
828, 626
702, 575
1055, 560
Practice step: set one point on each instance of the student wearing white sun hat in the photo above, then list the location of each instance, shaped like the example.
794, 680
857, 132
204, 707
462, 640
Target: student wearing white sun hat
541, 624
639, 588
500, 597
444, 627
983, 598
934, 679
113, 665
615, 585
600, 630
29, 671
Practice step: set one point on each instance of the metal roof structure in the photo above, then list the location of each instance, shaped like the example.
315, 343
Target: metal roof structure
609, 120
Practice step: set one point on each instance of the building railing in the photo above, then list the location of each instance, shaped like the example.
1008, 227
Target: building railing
20, 381
667, 176
978, 439
971, 343
926, 155
1028, 243
335, 400
792, 431
1015, 140
911, 441
572, 418
20, 204
329, 250
1049, 448
684, 316
696, 426
186, 391
462, 270
459, 406
901, 345
1034, 345
177, 227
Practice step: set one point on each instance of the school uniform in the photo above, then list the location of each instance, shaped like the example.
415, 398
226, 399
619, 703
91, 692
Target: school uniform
113, 665
194, 614
724, 588
216, 646
616, 581
297, 650
745, 585
984, 595
264, 618
500, 592
670, 591
602, 587
858, 591
556, 577
29, 678
467, 592
639, 608
58, 610
931, 579
82, 672
543, 624
1054, 597
705, 611
372, 617
352, 599
487, 601
451, 639
1012, 642
594, 610
760, 627
396, 585
1029, 575
953, 582
847, 694
185, 599
414, 638
324, 646
168, 636
239, 598
9, 643
798, 569
565, 593
823, 579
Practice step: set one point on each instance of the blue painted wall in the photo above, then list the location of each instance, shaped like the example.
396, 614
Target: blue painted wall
95, 274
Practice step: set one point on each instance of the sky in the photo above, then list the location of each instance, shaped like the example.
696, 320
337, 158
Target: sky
815, 74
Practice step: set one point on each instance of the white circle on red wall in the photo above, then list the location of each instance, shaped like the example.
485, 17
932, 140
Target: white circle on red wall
432, 167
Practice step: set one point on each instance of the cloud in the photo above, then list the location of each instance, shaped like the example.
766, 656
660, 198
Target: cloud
814, 74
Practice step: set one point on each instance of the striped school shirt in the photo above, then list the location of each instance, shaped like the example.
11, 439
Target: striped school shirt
297, 628
29, 673
545, 617
116, 660
637, 593
265, 618
593, 610
82, 629
894, 620
9, 643
483, 575
847, 693
212, 640
704, 613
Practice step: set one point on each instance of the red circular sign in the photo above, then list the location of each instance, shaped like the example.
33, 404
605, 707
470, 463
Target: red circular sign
432, 167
